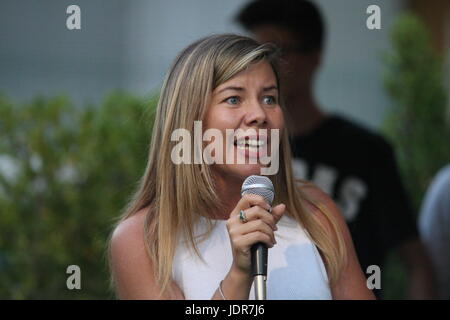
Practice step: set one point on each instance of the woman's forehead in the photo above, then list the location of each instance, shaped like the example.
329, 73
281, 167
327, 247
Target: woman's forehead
260, 75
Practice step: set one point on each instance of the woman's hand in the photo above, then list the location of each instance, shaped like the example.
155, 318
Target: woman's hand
260, 227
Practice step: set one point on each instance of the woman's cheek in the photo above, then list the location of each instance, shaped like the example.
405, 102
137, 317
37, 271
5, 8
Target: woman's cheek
278, 119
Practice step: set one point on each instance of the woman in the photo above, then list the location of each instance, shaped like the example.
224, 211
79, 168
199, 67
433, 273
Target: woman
187, 232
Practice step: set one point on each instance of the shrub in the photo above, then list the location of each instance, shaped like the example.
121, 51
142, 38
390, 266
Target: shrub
418, 124
67, 173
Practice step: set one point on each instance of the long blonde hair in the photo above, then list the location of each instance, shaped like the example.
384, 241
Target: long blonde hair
176, 195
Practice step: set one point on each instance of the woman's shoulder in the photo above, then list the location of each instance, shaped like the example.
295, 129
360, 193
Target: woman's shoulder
319, 201
131, 267
312, 191
127, 244
131, 228
351, 281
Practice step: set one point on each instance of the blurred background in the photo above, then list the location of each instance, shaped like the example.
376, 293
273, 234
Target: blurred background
76, 115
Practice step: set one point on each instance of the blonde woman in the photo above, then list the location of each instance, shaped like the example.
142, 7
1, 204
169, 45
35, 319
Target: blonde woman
182, 235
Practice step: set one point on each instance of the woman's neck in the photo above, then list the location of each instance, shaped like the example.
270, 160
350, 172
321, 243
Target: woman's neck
229, 192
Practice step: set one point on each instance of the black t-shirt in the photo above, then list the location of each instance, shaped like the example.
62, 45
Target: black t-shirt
357, 168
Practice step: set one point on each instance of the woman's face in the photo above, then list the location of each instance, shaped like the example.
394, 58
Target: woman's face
249, 100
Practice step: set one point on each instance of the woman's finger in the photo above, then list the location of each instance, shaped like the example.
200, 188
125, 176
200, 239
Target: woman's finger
254, 226
248, 201
249, 239
278, 211
256, 212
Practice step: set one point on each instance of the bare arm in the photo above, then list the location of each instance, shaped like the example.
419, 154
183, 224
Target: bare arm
421, 284
352, 282
132, 269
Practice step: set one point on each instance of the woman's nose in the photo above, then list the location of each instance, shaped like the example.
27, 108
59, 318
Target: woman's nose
256, 115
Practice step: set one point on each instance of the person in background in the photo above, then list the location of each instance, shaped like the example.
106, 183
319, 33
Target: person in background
355, 166
434, 228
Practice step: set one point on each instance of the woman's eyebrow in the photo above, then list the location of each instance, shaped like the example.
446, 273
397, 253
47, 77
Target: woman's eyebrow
270, 88
243, 89
231, 88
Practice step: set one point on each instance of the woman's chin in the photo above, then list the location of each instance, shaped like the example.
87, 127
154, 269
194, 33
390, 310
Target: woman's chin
241, 170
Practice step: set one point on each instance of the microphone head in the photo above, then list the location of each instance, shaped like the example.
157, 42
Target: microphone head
259, 185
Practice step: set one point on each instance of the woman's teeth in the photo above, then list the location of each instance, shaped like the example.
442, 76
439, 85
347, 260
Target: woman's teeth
251, 144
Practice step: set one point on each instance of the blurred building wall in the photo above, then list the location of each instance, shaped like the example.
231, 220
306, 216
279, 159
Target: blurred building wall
39, 55
130, 44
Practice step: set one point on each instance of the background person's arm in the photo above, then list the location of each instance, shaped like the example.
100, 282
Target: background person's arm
395, 225
421, 282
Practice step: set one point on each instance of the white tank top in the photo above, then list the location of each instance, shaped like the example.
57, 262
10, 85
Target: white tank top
295, 267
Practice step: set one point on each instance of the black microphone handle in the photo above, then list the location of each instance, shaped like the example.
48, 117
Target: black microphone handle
259, 259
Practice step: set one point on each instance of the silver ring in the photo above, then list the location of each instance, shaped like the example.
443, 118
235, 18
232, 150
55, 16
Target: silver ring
242, 216
270, 209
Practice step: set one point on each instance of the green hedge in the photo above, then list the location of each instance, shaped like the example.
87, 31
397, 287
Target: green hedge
67, 174
418, 124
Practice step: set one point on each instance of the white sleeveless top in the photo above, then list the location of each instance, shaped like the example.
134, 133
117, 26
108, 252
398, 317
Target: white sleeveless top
295, 267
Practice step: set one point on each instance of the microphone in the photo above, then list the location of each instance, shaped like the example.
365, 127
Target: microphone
261, 186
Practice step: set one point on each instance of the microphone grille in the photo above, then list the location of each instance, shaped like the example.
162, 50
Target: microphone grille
259, 185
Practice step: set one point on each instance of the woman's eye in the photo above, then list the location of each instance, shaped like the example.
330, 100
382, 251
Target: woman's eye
232, 100
269, 99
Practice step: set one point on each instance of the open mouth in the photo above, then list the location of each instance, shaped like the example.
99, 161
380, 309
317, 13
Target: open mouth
252, 144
